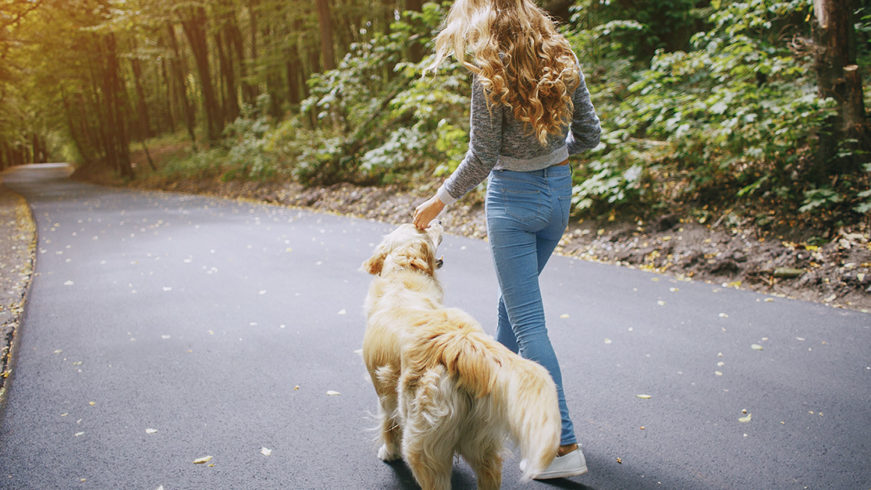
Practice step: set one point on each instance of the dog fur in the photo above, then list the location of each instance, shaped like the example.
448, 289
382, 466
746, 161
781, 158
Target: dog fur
444, 386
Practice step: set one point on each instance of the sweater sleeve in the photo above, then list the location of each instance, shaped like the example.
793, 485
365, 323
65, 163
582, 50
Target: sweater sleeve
485, 140
585, 130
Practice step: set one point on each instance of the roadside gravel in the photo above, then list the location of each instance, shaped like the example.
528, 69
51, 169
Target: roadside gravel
17, 248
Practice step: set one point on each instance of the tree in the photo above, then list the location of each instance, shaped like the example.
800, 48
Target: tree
328, 57
194, 24
839, 78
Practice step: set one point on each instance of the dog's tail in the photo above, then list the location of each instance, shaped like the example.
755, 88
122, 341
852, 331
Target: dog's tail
532, 413
523, 390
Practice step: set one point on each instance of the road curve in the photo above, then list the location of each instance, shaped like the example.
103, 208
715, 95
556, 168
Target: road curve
162, 328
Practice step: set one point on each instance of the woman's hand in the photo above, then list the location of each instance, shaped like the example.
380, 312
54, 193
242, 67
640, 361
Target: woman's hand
427, 212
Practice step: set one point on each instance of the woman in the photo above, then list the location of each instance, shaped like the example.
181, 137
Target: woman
530, 110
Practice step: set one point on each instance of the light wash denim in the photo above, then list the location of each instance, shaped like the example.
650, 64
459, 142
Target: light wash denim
527, 213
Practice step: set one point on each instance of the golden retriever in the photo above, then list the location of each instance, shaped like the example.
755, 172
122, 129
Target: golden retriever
444, 386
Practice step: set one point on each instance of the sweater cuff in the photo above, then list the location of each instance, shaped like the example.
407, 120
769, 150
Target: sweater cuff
445, 197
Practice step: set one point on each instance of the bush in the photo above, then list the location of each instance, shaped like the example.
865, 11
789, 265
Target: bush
380, 121
735, 117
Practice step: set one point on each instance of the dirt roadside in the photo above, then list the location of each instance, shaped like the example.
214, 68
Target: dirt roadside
17, 253
837, 273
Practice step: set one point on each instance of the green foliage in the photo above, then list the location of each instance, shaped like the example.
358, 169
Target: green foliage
819, 198
198, 165
379, 119
864, 197
637, 28
735, 116
246, 141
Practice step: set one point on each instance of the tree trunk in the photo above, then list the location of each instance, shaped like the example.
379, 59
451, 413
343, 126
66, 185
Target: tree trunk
119, 136
275, 86
179, 75
293, 80
838, 77
252, 27
144, 125
326, 27
313, 68
194, 26
168, 98
237, 49
415, 49
231, 100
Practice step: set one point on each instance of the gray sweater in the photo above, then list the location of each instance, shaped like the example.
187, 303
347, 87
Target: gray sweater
498, 141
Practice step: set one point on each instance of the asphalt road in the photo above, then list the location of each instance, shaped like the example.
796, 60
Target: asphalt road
162, 328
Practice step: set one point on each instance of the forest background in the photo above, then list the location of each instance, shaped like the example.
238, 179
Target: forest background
733, 114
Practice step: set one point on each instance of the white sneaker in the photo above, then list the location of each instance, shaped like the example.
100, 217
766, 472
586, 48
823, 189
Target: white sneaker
571, 464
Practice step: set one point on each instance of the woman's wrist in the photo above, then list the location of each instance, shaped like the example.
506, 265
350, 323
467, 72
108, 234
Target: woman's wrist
445, 197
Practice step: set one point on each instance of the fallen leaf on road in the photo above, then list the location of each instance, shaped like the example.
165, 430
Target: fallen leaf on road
608, 341
756, 347
643, 397
660, 303
333, 393
150, 431
343, 312
619, 460
69, 283
724, 315
77, 434
564, 315
203, 460
745, 418
264, 451
92, 403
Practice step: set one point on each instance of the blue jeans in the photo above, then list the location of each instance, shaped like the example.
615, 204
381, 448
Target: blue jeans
527, 213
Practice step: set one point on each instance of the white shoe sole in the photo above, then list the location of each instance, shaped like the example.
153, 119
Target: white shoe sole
571, 464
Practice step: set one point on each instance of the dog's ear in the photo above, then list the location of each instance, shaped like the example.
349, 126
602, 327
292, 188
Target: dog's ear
422, 259
421, 265
373, 264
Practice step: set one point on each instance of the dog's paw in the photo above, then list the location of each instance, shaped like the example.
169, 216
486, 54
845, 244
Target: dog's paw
387, 454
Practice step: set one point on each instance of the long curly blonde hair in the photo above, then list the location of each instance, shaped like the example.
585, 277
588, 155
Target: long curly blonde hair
520, 59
